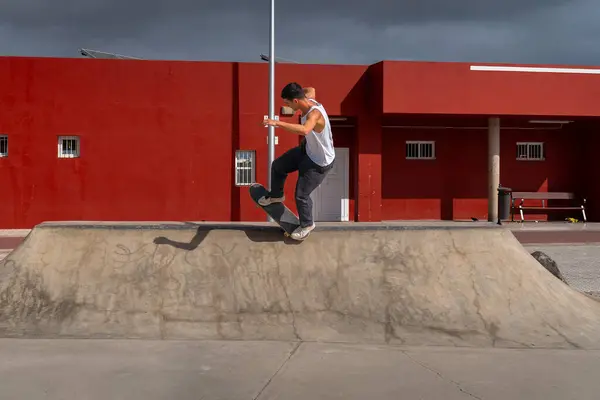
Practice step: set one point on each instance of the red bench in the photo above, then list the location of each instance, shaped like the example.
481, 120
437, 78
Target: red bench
543, 196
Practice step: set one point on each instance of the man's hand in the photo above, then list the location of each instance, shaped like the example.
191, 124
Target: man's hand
299, 129
270, 122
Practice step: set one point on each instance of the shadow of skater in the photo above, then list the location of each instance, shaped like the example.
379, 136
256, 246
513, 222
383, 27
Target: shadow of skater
270, 234
192, 245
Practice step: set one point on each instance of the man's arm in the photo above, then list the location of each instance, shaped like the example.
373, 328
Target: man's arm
309, 92
299, 129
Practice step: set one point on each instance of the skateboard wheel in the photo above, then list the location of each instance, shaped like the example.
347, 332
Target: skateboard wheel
286, 234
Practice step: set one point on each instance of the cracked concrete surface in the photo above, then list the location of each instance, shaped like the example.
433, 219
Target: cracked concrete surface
437, 286
287, 360
266, 370
438, 373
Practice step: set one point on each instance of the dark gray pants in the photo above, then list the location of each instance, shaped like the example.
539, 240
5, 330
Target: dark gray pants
310, 176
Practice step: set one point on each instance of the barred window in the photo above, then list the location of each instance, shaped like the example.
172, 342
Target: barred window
530, 151
244, 167
424, 150
3, 146
68, 146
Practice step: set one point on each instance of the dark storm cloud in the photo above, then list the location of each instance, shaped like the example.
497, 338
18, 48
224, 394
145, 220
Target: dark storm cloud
417, 11
335, 31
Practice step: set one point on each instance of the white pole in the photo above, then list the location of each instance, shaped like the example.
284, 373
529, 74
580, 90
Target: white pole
493, 167
271, 91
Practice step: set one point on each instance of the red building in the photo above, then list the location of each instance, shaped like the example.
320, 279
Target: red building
158, 140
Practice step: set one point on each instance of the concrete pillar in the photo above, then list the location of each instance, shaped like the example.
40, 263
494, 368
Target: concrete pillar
368, 178
493, 167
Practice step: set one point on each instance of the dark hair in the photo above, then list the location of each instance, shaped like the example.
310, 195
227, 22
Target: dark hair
292, 91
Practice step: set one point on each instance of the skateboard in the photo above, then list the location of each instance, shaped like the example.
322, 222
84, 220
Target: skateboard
287, 220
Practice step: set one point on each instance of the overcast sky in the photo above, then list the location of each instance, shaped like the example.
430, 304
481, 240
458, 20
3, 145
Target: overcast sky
336, 31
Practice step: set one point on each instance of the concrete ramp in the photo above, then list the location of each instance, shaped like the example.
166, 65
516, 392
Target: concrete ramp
361, 283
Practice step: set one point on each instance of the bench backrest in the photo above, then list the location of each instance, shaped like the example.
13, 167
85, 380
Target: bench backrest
544, 195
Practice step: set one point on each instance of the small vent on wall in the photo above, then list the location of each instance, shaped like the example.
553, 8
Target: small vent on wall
420, 150
530, 151
68, 147
3, 146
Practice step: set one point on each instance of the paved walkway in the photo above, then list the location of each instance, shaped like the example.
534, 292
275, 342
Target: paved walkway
579, 264
207, 370
14, 232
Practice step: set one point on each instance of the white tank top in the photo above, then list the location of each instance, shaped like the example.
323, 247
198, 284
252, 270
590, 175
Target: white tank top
319, 146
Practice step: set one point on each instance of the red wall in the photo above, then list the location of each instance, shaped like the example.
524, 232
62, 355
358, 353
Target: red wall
333, 85
560, 172
452, 88
157, 137
368, 145
152, 135
590, 168
454, 186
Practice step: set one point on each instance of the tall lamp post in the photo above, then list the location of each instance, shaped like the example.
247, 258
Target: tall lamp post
271, 91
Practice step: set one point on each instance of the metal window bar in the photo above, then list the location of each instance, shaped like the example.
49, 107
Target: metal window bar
3, 146
412, 150
426, 150
68, 146
420, 150
244, 167
530, 151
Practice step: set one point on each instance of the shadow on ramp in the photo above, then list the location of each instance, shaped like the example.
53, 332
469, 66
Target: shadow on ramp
254, 234
189, 246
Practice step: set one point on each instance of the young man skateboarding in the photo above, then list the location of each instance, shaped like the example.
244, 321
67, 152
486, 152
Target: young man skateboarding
313, 158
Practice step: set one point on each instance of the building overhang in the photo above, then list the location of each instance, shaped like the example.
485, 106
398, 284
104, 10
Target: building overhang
489, 89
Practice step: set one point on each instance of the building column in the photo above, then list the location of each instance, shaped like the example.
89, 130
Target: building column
368, 166
493, 167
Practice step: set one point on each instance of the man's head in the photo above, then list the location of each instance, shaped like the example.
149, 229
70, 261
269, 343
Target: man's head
294, 97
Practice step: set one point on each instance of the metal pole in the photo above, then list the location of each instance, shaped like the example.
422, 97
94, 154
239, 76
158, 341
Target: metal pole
271, 91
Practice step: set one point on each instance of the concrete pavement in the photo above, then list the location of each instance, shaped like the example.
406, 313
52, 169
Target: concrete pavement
66, 287
228, 370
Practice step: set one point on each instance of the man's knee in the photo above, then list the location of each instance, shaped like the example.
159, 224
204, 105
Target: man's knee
276, 165
302, 191
279, 165
287, 161
306, 185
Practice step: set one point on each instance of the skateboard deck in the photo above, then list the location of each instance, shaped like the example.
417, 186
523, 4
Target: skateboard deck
287, 220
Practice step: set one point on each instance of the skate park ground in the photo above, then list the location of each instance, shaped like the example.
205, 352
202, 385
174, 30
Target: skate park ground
64, 368
156, 370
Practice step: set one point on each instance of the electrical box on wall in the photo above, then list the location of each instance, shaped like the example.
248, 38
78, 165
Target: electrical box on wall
276, 118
